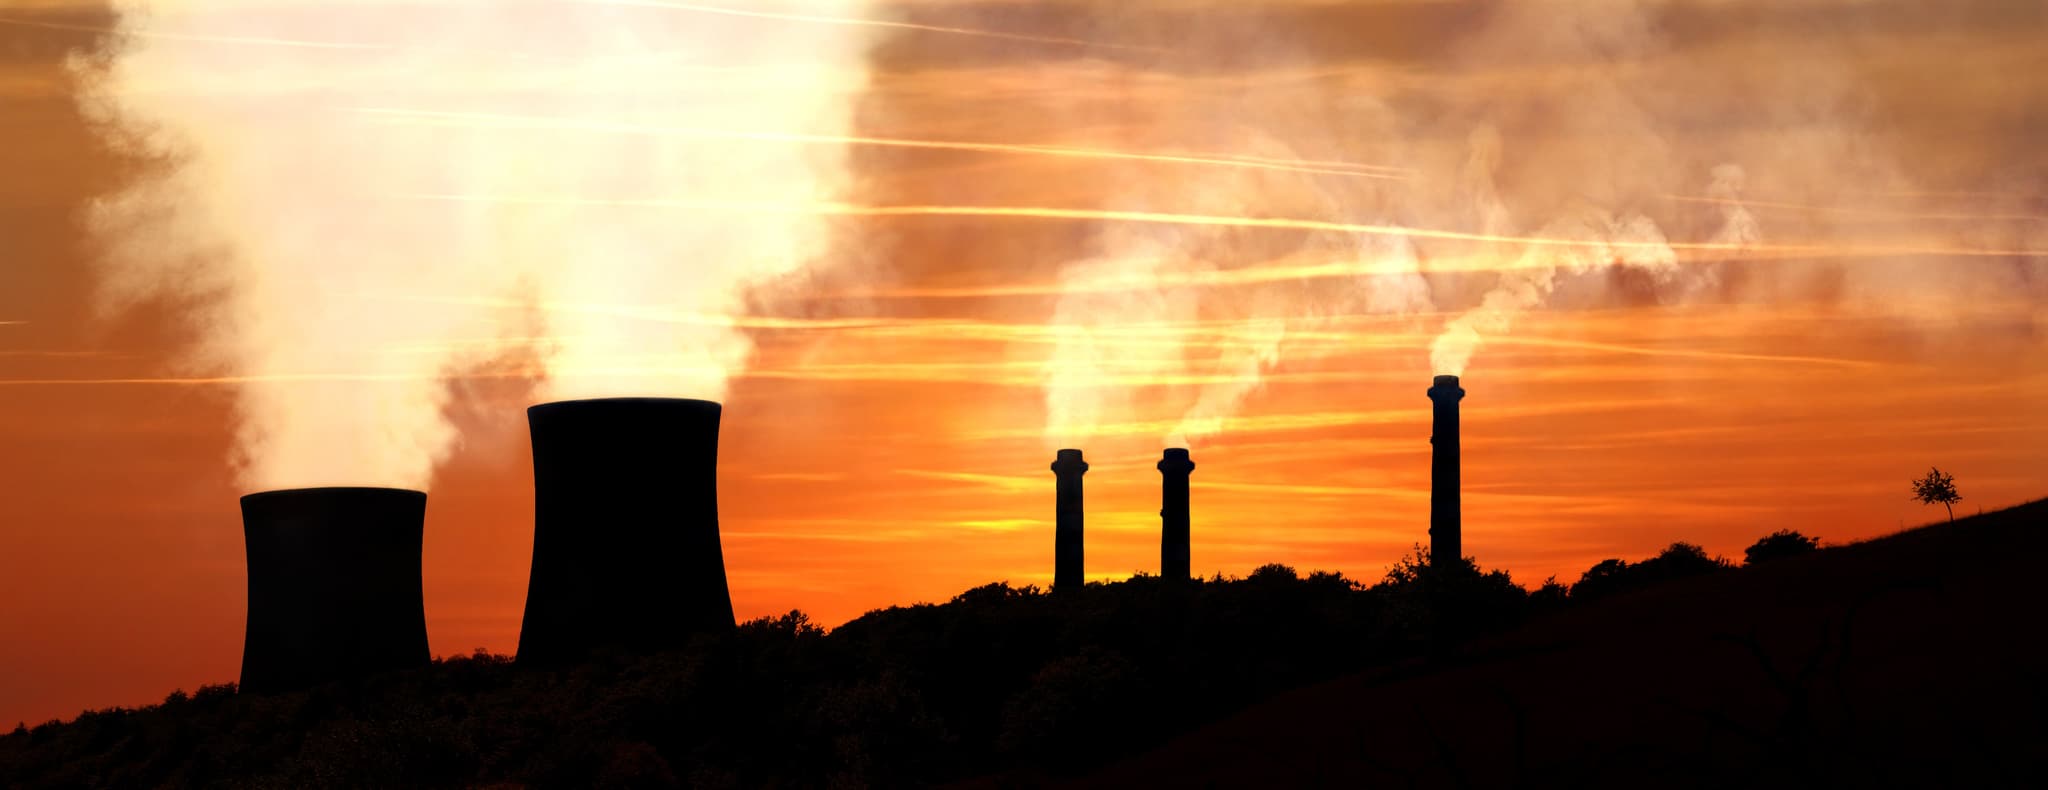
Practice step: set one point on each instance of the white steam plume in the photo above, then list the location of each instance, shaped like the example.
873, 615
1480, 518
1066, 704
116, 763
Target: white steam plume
1108, 336
1631, 240
290, 201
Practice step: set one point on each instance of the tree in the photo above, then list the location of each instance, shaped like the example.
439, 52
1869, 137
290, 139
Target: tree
1607, 577
1779, 545
1937, 487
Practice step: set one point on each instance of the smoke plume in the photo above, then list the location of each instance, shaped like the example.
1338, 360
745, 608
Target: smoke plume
1601, 153
370, 198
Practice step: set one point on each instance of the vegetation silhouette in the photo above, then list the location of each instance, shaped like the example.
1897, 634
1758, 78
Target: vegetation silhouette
1938, 488
1678, 561
1011, 686
1906, 661
1779, 545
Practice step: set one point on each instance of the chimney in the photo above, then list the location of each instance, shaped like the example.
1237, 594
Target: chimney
625, 527
334, 585
1174, 469
1068, 571
1445, 538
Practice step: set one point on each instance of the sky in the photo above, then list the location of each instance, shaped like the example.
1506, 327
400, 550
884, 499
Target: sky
1708, 268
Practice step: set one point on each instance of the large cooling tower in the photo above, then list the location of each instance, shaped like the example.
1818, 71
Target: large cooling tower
1445, 539
1068, 570
1174, 540
334, 585
625, 527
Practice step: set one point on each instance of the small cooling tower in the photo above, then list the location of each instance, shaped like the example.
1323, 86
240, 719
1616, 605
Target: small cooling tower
625, 527
334, 585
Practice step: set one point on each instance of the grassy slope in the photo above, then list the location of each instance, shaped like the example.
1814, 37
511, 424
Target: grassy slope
1915, 658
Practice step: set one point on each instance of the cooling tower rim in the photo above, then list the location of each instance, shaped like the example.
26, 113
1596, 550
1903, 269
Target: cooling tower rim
579, 404
260, 497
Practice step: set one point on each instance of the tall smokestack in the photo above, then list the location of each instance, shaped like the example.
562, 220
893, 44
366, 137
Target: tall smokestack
334, 585
625, 527
1445, 538
1068, 571
1174, 469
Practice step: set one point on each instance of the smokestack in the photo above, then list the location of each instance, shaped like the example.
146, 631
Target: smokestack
334, 585
1068, 572
1174, 469
1445, 538
625, 527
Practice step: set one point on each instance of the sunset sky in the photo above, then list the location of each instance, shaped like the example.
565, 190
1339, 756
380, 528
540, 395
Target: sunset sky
1709, 268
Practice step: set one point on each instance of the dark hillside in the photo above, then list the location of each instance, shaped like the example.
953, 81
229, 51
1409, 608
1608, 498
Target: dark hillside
1915, 658
1911, 660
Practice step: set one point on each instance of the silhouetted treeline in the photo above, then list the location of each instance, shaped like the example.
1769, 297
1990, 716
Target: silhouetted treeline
1001, 680
1910, 660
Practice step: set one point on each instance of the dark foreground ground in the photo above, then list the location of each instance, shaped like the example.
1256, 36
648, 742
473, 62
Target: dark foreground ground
1913, 659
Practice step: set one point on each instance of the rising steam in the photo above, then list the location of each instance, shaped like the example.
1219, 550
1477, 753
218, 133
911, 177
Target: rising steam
1581, 148
302, 196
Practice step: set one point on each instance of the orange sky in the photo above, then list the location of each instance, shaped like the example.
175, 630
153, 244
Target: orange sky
902, 456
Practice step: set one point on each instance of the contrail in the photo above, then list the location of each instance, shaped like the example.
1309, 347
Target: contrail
1261, 423
248, 40
855, 21
207, 381
1618, 348
544, 122
1885, 213
12, 323
1216, 220
1200, 334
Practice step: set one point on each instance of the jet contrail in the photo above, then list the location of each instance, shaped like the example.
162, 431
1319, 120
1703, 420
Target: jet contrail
1217, 220
1885, 213
248, 40
544, 122
842, 20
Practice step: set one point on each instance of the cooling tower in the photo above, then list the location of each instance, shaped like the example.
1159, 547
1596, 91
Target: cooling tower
625, 527
1445, 538
334, 585
1068, 571
1174, 469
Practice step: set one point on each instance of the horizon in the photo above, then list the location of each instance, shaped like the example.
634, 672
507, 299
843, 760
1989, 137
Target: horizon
1237, 230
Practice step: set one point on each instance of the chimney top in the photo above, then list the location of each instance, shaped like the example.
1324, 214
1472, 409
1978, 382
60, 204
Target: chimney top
1447, 382
1177, 452
261, 497
1070, 455
584, 404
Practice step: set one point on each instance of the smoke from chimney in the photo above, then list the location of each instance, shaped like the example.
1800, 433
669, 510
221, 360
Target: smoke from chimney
625, 527
1069, 572
1445, 538
1174, 540
334, 585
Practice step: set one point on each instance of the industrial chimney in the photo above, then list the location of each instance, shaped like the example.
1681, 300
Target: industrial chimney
1174, 469
625, 527
1445, 538
1068, 571
334, 585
